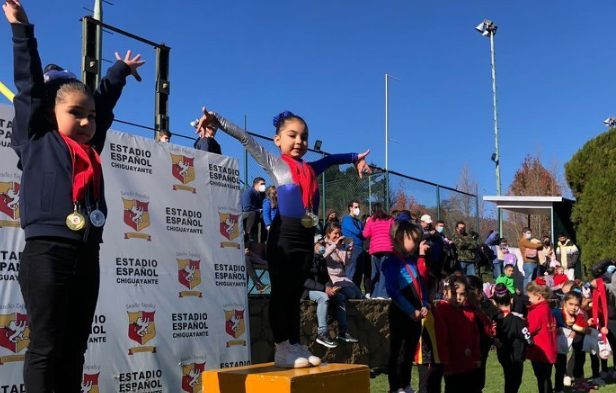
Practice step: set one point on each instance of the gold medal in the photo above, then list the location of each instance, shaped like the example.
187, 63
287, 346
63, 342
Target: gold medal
307, 221
75, 221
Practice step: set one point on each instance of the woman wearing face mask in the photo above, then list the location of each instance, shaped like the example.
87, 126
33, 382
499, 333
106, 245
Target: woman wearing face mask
546, 255
530, 255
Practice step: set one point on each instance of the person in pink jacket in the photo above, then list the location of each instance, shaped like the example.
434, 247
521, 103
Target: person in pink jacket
377, 230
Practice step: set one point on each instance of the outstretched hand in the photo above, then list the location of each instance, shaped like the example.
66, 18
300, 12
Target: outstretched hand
14, 12
133, 63
207, 118
361, 164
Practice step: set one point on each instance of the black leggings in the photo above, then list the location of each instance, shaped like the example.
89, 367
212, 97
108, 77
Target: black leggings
543, 373
513, 372
574, 368
430, 378
290, 251
404, 336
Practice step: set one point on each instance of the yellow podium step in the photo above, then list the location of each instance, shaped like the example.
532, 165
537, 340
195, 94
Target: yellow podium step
266, 378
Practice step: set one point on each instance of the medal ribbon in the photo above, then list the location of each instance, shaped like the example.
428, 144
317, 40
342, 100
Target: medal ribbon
304, 177
86, 167
416, 283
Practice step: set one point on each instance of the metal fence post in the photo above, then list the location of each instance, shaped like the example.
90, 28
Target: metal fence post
324, 194
477, 208
438, 202
386, 191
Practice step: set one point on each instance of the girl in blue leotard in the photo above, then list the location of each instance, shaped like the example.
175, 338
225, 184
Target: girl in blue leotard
290, 243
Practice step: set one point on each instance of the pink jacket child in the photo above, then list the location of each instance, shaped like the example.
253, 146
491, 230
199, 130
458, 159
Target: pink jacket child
378, 233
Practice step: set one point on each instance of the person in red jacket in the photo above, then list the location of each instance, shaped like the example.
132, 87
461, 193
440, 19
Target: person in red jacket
542, 327
461, 337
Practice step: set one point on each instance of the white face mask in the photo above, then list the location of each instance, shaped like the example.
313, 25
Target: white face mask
261, 188
356, 212
529, 236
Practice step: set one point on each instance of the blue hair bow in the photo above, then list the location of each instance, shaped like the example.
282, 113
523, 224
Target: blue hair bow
58, 75
281, 116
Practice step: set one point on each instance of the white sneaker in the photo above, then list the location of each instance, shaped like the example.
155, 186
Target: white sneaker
303, 351
288, 356
367, 296
567, 380
408, 389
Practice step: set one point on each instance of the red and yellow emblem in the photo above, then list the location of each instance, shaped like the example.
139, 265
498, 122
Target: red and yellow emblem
14, 335
229, 228
89, 383
235, 326
141, 329
189, 275
136, 216
191, 377
9, 203
183, 169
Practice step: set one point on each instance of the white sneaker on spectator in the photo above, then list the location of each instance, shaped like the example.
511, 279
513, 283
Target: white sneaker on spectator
303, 350
408, 389
288, 356
367, 296
567, 380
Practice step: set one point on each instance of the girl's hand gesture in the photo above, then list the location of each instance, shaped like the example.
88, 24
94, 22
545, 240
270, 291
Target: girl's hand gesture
207, 118
423, 248
14, 12
361, 164
133, 63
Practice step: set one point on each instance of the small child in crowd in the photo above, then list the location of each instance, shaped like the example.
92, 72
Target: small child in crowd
337, 258
542, 327
513, 338
410, 304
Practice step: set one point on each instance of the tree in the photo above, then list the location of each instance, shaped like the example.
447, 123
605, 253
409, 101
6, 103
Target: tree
532, 179
591, 173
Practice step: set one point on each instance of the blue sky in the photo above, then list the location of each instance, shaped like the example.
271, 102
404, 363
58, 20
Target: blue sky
326, 61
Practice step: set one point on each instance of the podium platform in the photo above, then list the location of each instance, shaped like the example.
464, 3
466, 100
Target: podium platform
266, 378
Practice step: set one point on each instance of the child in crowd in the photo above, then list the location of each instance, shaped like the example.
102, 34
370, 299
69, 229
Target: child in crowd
337, 258
560, 277
58, 133
542, 327
571, 321
513, 338
461, 338
290, 248
377, 231
409, 295
507, 278
480, 310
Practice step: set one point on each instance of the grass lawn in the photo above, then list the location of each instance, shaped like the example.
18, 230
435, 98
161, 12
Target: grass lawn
494, 379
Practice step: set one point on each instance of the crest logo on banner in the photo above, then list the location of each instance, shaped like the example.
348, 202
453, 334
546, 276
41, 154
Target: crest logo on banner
189, 275
235, 326
183, 169
191, 377
137, 217
9, 203
89, 383
141, 329
14, 335
229, 228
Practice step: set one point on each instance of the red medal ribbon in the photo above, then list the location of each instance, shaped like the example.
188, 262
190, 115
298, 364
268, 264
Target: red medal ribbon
304, 178
413, 277
87, 168
599, 299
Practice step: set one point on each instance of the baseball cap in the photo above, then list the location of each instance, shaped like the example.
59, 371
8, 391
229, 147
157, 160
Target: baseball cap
426, 218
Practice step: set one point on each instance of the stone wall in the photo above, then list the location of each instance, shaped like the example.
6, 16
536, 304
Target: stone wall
367, 320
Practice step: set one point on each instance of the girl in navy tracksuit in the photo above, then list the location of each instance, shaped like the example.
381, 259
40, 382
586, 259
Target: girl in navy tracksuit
410, 303
58, 132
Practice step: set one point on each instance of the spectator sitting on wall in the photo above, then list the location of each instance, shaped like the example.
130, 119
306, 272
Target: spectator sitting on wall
206, 141
320, 289
270, 206
253, 261
252, 205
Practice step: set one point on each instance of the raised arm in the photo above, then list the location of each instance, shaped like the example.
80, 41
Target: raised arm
30, 117
109, 92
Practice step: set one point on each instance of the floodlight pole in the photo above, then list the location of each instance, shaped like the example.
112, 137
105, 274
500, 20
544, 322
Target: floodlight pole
98, 15
498, 179
387, 76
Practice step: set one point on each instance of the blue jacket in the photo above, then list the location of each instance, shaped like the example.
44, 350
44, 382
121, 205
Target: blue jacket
208, 144
352, 227
46, 196
400, 286
252, 200
269, 212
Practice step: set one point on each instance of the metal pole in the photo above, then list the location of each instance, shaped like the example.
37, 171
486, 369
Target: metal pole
386, 120
324, 194
498, 179
438, 202
369, 194
477, 209
245, 154
98, 15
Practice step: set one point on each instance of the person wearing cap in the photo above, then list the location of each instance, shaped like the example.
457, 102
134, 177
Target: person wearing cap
206, 141
435, 256
465, 249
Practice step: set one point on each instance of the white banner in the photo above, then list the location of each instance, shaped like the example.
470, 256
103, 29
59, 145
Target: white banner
173, 298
